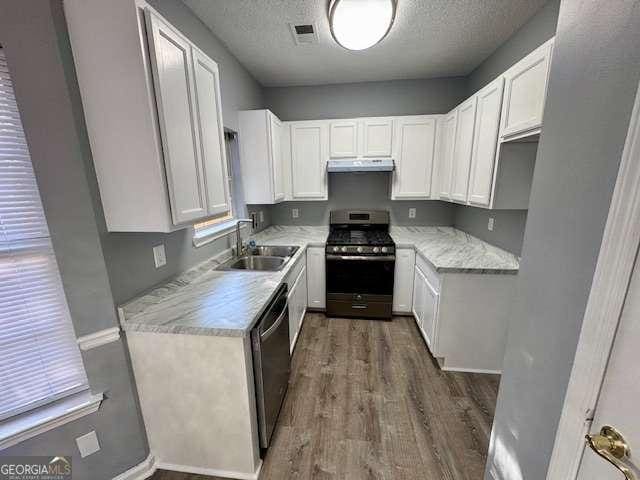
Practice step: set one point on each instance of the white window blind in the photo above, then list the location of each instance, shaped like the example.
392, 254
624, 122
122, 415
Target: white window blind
39, 358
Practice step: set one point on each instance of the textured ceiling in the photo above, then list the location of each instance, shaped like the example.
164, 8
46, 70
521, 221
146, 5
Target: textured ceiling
430, 38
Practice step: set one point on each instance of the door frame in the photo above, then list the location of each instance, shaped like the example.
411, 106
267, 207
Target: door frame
611, 280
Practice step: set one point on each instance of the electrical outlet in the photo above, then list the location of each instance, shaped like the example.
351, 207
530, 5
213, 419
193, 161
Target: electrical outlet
412, 213
490, 224
88, 444
159, 256
261, 216
295, 213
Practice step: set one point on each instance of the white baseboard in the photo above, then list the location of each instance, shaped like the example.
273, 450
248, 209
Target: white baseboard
141, 471
213, 472
471, 370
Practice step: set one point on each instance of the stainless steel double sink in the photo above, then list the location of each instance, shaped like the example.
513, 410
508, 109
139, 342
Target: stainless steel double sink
264, 258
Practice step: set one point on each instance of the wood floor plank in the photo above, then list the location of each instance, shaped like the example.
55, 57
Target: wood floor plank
366, 400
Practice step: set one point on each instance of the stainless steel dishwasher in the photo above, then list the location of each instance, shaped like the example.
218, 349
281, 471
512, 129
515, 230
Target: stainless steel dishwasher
271, 363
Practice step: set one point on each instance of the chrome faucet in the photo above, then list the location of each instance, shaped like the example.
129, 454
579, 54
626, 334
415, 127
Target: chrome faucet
239, 245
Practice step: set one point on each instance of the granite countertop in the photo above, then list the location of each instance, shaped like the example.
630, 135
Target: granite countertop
204, 301
450, 250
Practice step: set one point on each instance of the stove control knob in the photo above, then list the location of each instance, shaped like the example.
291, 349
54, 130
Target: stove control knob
359, 249
344, 249
335, 249
376, 249
384, 249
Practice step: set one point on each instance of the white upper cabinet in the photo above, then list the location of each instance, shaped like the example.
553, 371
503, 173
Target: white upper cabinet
171, 61
446, 153
463, 145
414, 157
485, 142
209, 115
343, 138
377, 137
309, 160
262, 156
525, 92
153, 117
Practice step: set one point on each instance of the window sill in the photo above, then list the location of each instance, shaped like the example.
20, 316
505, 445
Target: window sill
214, 232
29, 424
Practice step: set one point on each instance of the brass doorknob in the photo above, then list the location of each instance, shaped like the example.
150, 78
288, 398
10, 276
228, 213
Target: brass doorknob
611, 445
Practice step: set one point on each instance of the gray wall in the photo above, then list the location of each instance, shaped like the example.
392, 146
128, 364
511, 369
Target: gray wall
397, 97
594, 76
367, 191
34, 36
532, 34
508, 228
128, 255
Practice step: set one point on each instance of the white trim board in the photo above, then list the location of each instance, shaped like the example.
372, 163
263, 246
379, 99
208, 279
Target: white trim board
97, 339
616, 260
213, 472
143, 470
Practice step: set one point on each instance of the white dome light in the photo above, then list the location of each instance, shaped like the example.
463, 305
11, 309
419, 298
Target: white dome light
360, 24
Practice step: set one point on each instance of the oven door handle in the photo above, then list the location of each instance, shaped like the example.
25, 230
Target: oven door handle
385, 258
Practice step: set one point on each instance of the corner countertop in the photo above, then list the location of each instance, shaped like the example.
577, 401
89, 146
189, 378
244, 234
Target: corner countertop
204, 301
450, 250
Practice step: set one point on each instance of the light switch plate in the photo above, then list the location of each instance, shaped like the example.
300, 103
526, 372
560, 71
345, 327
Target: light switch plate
159, 255
412, 213
490, 224
88, 444
295, 213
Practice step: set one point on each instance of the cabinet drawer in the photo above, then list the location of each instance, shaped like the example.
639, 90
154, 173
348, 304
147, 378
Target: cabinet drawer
430, 273
293, 274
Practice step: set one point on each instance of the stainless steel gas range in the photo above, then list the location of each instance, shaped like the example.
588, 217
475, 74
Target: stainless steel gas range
360, 264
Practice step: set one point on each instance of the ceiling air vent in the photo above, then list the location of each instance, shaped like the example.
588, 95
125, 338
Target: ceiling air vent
304, 33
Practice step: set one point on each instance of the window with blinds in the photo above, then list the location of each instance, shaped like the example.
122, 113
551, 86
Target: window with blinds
39, 358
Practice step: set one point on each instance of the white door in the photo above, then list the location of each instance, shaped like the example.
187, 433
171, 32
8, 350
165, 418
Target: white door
618, 401
416, 140
343, 139
276, 128
213, 151
378, 137
316, 287
419, 295
308, 161
446, 154
462, 150
171, 62
485, 142
403, 280
430, 314
526, 91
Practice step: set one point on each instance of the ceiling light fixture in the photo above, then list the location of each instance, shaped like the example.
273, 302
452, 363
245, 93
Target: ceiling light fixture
360, 24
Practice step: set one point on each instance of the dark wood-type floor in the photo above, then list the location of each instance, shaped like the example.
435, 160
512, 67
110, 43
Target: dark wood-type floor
367, 401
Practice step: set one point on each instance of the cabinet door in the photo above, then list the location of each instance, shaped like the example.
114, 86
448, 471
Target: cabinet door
171, 62
462, 150
485, 142
276, 133
430, 314
297, 299
343, 139
419, 295
212, 147
308, 161
416, 138
316, 277
378, 137
446, 154
403, 280
526, 91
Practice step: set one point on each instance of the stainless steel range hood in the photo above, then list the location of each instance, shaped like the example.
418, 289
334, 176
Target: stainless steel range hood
361, 165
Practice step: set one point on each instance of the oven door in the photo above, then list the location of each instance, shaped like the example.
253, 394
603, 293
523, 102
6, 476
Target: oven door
360, 286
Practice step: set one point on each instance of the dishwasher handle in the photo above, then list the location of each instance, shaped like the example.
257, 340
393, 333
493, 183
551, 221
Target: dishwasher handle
267, 333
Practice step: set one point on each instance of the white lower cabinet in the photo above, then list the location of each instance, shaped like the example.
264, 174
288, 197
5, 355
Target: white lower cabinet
403, 280
425, 307
316, 283
297, 305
